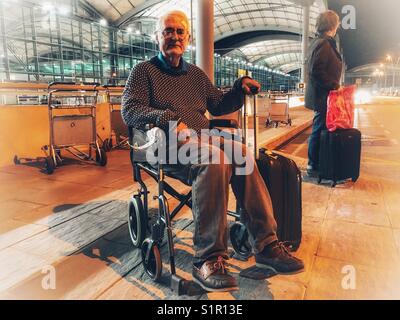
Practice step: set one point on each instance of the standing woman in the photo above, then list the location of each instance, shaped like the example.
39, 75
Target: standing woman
324, 73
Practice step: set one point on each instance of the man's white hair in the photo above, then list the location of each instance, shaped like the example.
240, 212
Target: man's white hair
175, 13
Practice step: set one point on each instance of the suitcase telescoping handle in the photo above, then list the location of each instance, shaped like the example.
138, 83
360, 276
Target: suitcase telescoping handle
254, 91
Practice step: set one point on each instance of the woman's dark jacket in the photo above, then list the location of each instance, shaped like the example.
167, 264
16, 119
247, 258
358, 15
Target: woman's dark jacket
324, 72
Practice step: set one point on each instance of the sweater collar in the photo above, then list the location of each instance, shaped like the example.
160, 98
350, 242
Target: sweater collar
181, 69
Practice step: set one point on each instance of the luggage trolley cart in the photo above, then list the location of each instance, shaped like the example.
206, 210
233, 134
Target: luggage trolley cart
119, 130
72, 121
279, 109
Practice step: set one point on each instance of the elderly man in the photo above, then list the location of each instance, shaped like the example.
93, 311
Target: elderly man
167, 88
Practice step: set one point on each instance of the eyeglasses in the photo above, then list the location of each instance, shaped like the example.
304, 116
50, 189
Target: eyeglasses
168, 32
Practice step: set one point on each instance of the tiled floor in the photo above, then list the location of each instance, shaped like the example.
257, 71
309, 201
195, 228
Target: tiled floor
75, 222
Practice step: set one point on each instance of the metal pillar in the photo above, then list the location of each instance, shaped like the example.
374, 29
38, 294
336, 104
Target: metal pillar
205, 37
5, 48
304, 44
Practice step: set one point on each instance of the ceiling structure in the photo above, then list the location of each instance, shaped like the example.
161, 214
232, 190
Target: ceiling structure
232, 18
269, 30
275, 54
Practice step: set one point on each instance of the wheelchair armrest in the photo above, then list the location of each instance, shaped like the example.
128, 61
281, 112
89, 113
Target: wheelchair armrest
225, 123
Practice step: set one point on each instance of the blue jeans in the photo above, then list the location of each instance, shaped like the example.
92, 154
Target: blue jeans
319, 124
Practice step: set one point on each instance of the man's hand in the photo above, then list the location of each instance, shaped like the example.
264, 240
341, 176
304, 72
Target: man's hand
248, 84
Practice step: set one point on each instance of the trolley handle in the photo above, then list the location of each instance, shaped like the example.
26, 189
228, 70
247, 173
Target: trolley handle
112, 86
73, 90
55, 83
94, 84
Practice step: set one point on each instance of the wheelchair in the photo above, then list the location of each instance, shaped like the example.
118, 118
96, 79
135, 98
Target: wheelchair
149, 236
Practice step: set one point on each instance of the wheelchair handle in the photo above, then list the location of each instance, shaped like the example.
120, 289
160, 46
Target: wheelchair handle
254, 90
153, 139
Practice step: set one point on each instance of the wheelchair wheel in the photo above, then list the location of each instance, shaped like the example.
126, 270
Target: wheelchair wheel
240, 239
151, 259
137, 221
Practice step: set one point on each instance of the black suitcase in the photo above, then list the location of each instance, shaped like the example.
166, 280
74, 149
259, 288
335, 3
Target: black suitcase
339, 155
283, 180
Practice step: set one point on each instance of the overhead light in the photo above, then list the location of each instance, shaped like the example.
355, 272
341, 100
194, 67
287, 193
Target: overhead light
103, 22
64, 10
137, 32
9, 2
129, 29
47, 7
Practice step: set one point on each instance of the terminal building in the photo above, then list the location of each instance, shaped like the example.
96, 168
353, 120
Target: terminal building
101, 41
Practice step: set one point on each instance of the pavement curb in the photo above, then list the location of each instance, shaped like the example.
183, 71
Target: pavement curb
278, 140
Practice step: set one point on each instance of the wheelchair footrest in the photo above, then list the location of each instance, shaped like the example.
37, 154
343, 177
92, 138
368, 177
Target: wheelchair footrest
181, 286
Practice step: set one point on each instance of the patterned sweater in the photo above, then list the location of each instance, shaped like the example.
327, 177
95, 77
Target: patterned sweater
157, 93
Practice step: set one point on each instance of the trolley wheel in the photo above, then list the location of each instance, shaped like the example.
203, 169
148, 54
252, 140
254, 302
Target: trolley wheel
354, 179
58, 157
107, 145
49, 165
290, 122
333, 184
276, 124
101, 157
151, 259
319, 180
16, 160
137, 221
240, 239
267, 123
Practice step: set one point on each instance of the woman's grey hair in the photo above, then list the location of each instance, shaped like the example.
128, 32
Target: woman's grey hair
178, 13
327, 21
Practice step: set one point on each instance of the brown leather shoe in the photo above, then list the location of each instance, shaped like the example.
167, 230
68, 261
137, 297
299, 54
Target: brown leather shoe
213, 276
277, 258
